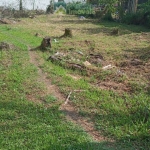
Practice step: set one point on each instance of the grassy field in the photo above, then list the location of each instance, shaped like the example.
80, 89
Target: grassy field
116, 99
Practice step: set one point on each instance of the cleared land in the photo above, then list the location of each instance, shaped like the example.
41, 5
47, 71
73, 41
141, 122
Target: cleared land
106, 78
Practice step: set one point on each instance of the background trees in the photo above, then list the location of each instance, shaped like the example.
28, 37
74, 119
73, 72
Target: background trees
128, 11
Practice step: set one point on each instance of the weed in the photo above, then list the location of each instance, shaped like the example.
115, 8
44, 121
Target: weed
50, 99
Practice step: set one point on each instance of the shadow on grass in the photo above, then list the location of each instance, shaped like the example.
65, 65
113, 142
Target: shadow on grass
108, 27
104, 26
132, 129
26, 125
74, 21
85, 146
141, 53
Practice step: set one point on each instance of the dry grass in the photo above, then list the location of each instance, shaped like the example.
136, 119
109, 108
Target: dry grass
128, 52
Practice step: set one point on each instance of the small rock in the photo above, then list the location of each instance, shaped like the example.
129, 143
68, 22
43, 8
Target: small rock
82, 18
86, 63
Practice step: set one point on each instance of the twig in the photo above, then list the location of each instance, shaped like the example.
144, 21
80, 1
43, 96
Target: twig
79, 90
67, 100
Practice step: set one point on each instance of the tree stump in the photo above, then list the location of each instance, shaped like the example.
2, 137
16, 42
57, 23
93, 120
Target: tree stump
115, 32
46, 42
68, 33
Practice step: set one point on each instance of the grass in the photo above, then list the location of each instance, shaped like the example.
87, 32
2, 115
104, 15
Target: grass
26, 125
123, 116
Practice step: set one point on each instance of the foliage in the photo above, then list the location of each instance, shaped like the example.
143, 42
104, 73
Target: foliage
145, 7
79, 8
141, 17
109, 5
93, 2
61, 3
108, 17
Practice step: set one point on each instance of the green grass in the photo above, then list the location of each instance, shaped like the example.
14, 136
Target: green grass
25, 125
126, 114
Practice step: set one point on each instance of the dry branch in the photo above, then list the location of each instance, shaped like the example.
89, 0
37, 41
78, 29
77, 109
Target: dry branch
67, 100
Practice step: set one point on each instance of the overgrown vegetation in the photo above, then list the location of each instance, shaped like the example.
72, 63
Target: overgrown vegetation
128, 11
141, 17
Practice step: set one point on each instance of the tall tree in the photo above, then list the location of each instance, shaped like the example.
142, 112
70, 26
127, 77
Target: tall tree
20, 5
92, 1
33, 4
132, 6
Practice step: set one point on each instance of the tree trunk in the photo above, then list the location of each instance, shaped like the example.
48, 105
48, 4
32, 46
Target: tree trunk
46, 42
121, 9
68, 33
20, 5
132, 6
33, 3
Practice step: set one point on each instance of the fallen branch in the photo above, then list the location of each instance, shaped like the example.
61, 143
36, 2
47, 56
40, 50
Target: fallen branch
67, 100
79, 90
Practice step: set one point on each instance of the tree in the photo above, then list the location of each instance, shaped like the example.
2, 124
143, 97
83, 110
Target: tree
20, 5
33, 3
132, 6
92, 1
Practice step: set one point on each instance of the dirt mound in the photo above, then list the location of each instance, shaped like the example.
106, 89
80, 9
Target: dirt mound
133, 62
110, 85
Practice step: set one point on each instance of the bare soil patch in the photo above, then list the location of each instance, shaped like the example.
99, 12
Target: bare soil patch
110, 85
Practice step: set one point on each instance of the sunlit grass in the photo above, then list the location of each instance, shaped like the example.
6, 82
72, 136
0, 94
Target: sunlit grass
124, 117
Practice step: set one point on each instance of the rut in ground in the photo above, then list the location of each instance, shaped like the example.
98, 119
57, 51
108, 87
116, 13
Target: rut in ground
68, 108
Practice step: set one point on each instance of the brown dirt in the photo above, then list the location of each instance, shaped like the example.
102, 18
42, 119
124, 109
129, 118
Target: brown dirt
110, 85
51, 89
69, 110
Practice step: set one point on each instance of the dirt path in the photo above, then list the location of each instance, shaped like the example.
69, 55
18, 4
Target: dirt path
68, 108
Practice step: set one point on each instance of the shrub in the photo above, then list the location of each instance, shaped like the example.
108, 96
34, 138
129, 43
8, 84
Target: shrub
142, 17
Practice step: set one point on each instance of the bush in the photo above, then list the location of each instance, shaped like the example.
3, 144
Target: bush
142, 17
61, 3
79, 8
21, 14
108, 17
139, 18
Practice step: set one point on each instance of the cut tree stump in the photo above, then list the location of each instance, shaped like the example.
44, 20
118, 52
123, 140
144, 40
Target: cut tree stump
46, 42
68, 33
115, 32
